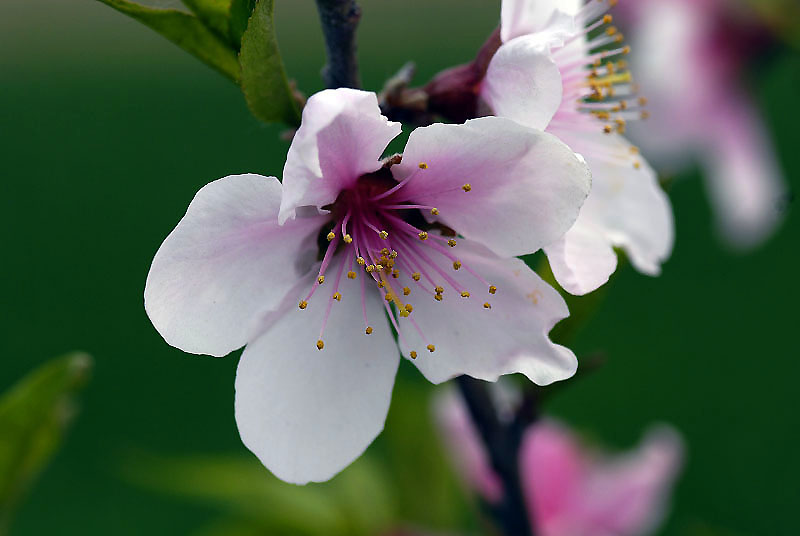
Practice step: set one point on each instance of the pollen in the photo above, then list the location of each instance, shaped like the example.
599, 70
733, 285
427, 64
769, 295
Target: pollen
351, 275
415, 276
393, 254
361, 261
331, 236
451, 243
370, 268
388, 297
412, 354
423, 235
347, 239
492, 289
321, 279
381, 284
607, 19
431, 348
465, 294
406, 291
379, 267
438, 289
337, 296
303, 304
409, 307
487, 305
467, 187
395, 273
437, 297
456, 265
435, 211
423, 165
320, 344
384, 235
368, 331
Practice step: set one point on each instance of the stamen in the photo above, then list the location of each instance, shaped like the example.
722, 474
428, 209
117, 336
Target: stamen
303, 304
465, 294
467, 187
431, 348
412, 354
368, 331
423, 235
492, 289
321, 279
331, 236
320, 344
456, 265
487, 305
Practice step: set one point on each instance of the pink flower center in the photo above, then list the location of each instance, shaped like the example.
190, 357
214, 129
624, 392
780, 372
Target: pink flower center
383, 235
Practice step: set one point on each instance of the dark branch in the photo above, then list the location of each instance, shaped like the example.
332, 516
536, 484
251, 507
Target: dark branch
502, 441
339, 20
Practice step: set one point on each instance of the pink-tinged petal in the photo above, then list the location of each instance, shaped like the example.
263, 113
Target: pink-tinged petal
225, 262
308, 413
627, 207
744, 179
342, 136
486, 343
552, 473
525, 186
470, 458
522, 17
583, 259
523, 82
628, 496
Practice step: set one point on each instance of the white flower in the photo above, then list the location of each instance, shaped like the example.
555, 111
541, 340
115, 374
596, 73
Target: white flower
548, 75
426, 245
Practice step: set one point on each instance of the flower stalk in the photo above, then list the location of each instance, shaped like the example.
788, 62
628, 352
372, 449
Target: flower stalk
339, 20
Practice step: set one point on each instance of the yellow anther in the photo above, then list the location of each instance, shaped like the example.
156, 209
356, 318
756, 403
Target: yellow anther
608, 129
435, 211
361, 261
351, 275
607, 19
492, 289
465, 294
409, 307
611, 30
423, 165
437, 297
370, 268
337, 296
634, 149
456, 265
406, 291
368, 331
379, 267
381, 284
390, 263
320, 344
487, 305
388, 297
395, 273
645, 114
321, 279
393, 254
451, 243
384, 235
347, 239
413, 354
423, 235
637, 165
331, 236
384, 251
626, 49
642, 101
415, 276
438, 289
467, 187
303, 304
403, 313
431, 348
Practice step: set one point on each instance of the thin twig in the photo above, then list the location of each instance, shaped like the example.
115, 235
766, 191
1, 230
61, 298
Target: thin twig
502, 443
339, 20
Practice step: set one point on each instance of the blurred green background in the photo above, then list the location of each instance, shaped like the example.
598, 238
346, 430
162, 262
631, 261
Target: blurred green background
107, 131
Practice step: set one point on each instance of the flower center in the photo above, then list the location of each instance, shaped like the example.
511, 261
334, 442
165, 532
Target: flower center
389, 242
598, 88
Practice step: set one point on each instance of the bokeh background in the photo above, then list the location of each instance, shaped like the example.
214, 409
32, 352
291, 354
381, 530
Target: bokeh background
106, 132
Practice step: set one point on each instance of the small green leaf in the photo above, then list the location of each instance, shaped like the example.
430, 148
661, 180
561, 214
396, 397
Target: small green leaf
264, 81
186, 31
34, 414
239, 14
214, 14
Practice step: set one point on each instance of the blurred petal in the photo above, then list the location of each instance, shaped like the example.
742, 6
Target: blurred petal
485, 343
226, 261
307, 413
523, 82
521, 17
526, 187
342, 136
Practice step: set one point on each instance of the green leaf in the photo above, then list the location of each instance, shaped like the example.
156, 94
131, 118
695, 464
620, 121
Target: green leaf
214, 14
264, 81
186, 31
34, 414
239, 14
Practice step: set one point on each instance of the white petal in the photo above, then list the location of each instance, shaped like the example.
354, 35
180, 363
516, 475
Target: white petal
523, 82
521, 17
583, 259
526, 186
307, 413
342, 136
626, 206
485, 343
226, 261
